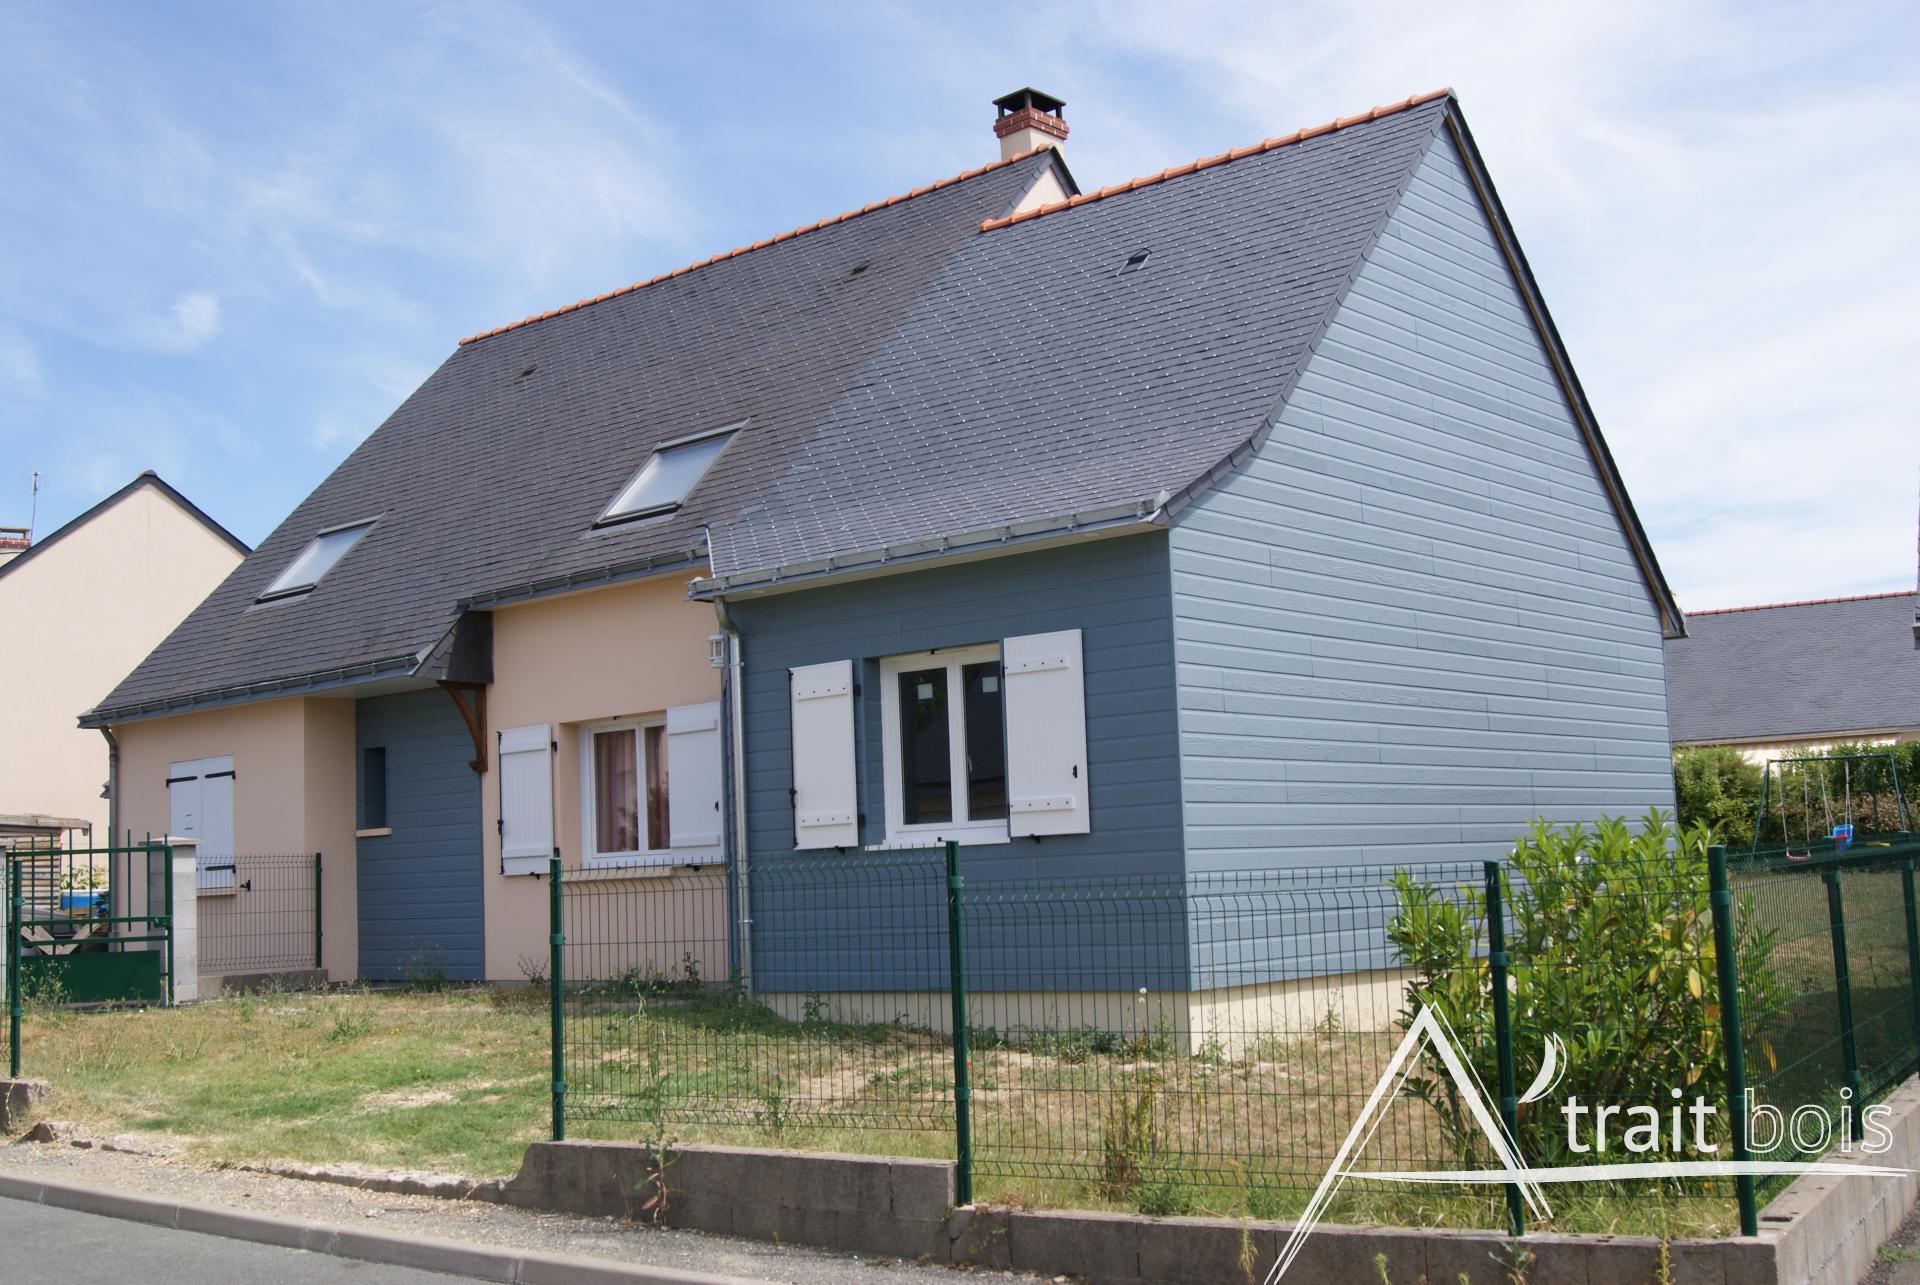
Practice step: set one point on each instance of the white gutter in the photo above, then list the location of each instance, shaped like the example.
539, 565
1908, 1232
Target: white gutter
887, 557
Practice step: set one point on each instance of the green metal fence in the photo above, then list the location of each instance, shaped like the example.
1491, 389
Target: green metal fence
259, 915
1207, 1042
86, 926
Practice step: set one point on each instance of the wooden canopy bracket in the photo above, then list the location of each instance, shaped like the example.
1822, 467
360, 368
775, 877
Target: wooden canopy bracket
471, 700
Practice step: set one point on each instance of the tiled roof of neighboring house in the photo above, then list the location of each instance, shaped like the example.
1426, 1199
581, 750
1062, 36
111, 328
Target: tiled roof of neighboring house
1797, 669
910, 381
147, 478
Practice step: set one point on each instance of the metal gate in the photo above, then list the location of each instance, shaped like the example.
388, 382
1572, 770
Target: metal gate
71, 935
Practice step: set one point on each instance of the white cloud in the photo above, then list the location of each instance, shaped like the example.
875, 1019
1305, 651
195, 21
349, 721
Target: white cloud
191, 321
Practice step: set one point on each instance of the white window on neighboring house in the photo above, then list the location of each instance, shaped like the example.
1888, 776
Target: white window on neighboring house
200, 812
650, 789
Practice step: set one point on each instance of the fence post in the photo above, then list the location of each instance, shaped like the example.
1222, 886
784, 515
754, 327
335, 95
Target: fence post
962, 1077
1843, 988
556, 939
1913, 957
1497, 962
1732, 1042
13, 967
166, 861
317, 923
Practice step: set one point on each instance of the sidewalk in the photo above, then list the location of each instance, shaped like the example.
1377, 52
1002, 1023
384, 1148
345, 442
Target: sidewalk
473, 1226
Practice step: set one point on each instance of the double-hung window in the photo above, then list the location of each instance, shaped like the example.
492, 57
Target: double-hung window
945, 743
623, 772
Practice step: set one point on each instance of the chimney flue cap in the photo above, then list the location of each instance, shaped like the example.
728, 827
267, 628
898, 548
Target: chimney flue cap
1028, 119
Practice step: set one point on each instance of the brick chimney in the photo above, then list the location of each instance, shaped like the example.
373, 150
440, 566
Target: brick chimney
1028, 119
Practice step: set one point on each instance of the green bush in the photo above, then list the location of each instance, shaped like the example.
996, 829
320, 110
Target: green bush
1716, 786
1610, 931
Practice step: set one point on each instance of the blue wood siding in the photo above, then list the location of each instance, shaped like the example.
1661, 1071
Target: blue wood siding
1116, 591
1412, 621
419, 889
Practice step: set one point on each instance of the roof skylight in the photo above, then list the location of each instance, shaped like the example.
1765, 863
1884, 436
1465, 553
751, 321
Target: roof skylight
318, 558
668, 476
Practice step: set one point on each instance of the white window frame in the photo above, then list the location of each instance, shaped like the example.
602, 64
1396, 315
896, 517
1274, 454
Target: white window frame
613, 515
953, 659
590, 855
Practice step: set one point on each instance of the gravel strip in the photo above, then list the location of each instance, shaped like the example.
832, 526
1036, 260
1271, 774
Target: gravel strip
481, 1223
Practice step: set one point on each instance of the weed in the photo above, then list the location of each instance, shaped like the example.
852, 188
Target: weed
1380, 1266
349, 1024
534, 969
776, 1106
813, 1008
1164, 1193
425, 970
1129, 1136
1265, 1201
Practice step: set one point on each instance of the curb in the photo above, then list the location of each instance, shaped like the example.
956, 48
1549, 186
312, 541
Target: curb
426, 1253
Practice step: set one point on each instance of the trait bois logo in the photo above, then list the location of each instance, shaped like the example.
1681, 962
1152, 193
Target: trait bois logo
1679, 1128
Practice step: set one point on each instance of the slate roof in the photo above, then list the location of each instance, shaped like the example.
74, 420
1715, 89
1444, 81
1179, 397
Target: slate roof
1806, 669
979, 375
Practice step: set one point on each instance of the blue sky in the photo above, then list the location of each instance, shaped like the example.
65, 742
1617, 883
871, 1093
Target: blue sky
234, 237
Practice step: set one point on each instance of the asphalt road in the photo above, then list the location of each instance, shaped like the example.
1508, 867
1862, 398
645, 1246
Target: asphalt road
41, 1243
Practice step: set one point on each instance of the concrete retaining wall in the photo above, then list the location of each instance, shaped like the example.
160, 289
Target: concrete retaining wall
1820, 1231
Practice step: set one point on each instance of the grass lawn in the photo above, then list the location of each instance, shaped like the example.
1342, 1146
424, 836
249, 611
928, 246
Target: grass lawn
457, 1081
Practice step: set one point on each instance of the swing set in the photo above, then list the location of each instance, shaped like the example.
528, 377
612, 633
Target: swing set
1830, 805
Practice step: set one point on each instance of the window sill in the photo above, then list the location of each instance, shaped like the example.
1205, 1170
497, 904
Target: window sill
227, 891
374, 832
639, 861
935, 836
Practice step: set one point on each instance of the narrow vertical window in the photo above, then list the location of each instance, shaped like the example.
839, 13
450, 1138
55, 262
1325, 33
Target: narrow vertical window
926, 755
986, 743
658, 837
373, 787
615, 789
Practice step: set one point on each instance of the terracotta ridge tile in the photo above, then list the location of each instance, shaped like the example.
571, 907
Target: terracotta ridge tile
1208, 162
1806, 602
618, 291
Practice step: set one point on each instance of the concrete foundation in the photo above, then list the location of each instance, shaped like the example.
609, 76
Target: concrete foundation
1820, 1231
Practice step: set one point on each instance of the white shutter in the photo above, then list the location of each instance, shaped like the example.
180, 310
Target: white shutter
526, 800
826, 810
1046, 707
200, 808
693, 781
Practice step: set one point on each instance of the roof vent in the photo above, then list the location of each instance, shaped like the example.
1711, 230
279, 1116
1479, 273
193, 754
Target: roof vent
1028, 119
1135, 261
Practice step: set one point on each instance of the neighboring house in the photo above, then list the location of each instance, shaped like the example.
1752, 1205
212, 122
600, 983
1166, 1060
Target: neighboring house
1792, 676
78, 610
1247, 515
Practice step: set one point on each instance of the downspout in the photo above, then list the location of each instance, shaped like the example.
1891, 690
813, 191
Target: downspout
113, 819
740, 899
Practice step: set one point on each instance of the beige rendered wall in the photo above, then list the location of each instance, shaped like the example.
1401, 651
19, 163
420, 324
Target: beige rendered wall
97, 602
1767, 751
611, 653
293, 793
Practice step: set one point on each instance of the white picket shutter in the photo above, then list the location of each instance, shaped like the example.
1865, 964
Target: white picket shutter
693, 782
200, 808
526, 799
826, 808
1046, 703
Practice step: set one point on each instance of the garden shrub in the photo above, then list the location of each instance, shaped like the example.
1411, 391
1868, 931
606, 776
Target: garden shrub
1610, 930
1716, 786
